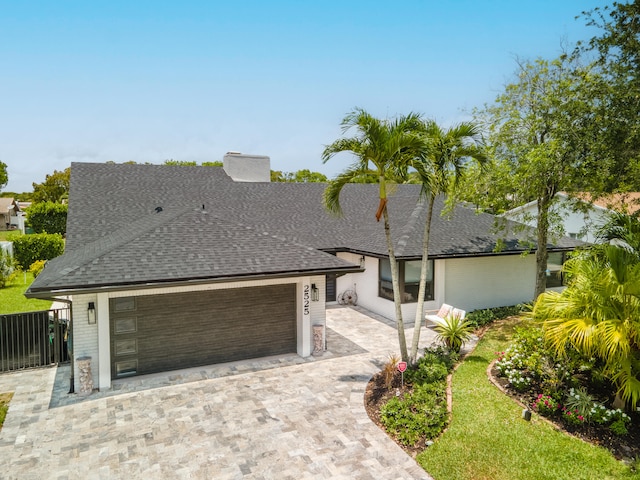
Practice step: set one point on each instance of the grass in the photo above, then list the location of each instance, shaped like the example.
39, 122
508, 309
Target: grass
12, 299
5, 399
488, 439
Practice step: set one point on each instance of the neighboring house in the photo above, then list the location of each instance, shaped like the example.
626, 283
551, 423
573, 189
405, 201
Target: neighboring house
170, 267
11, 216
580, 216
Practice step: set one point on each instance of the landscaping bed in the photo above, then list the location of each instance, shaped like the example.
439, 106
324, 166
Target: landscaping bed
621, 446
479, 442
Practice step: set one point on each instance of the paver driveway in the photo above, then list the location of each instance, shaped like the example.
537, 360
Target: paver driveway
303, 419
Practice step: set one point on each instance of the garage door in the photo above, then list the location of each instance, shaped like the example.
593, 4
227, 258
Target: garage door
168, 332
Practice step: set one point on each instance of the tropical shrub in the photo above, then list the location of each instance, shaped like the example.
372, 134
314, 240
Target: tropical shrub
427, 370
580, 401
454, 332
598, 315
28, 249
421, 414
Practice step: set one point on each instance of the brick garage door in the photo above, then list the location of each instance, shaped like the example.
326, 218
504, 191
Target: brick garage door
166, 332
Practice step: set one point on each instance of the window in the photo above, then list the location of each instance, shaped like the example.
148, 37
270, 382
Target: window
124, 304
555, 277
409, 278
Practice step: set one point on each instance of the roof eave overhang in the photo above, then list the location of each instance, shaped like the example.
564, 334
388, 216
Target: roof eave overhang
54, 293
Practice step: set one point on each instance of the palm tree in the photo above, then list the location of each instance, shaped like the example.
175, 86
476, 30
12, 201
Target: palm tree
599, 314
438, 169
383, 149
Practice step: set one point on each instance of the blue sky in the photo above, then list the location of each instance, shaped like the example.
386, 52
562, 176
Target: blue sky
152, 80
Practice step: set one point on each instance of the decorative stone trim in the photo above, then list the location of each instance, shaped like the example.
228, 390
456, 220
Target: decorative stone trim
84, 374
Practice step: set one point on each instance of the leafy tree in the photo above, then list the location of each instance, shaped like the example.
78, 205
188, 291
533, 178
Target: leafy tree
48, 217
598, 314
20, 197
39, 246
180, 163
300, 176
538, 134
55, 187
439, 169
4, 176
382, 149
617, 58
216, 163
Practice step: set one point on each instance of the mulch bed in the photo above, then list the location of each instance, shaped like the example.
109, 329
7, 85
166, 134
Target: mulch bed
377, 394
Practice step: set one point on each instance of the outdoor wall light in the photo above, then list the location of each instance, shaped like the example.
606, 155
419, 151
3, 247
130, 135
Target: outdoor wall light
91, 312
315, 293
362, 261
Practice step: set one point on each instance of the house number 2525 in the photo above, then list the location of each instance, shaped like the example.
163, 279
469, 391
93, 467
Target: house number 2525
306, 296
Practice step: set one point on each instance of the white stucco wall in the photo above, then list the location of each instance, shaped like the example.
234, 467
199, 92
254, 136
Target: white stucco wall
93, 339
581, 225
85, 336
366, 286
486, 282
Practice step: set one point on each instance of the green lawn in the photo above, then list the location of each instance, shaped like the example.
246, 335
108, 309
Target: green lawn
488, 439
12, 299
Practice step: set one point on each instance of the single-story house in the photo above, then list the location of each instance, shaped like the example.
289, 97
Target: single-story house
580, 215
11, 216
169, 267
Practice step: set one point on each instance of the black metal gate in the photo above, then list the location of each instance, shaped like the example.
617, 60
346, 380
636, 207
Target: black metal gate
34, 339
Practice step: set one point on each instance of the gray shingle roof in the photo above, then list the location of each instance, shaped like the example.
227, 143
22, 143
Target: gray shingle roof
115, 236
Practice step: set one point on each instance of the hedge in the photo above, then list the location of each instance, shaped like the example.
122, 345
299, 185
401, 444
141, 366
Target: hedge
48, 217
28, 249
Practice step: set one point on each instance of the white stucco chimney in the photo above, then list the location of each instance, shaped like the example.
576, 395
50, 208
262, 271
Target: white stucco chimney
247, 168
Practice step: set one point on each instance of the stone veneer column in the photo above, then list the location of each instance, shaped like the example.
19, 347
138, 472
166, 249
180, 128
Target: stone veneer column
84, 371
318, 346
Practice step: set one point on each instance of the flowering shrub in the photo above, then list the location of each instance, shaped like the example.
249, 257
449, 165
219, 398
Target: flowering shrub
546, 405
510, 364
572, 417
518, 380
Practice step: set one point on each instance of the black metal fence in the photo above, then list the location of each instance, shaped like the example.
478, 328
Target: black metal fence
34, 339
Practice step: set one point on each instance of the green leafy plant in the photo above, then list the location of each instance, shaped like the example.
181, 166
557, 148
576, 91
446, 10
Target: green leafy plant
48, 217
42, 246
579, 400
454, 332
619, 427
37, 267
572, 417
7, 270
480, 318
5, 399
421, 414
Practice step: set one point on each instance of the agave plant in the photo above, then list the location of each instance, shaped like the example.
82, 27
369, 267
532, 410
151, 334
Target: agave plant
454, 332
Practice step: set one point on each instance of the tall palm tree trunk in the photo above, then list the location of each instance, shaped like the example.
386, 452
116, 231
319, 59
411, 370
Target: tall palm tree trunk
397, 297
424, 268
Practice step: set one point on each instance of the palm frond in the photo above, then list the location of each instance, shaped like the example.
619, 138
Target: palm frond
331, 194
